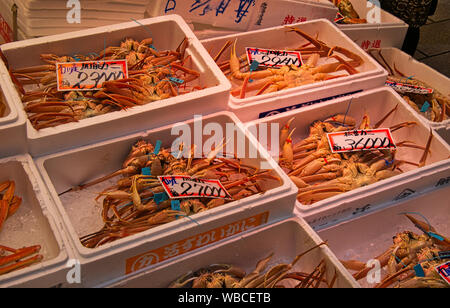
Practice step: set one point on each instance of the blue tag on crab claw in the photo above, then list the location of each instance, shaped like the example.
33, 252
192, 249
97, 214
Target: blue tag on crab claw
157, 147
419, 270
160, 197
176, 206
436, 236
147, 171
425, 107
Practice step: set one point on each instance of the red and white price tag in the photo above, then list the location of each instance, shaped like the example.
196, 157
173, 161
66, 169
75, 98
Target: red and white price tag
444, 271
179, 186
408, 88
274, 58
360, 140
88, 76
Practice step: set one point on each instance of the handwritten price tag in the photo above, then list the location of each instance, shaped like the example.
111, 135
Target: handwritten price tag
444, 271
273, 58
87, 76
409, 88
178, 187
359, 140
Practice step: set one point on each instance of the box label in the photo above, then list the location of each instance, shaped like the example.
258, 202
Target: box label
179, 186
87, 76
273, 58
408, 88
193, 243
360, 140
444, 271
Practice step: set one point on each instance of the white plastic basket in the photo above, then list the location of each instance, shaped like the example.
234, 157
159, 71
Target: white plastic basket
365, 237
167, 32
34, 223
377, 103
82, 215
285, 239
370, 75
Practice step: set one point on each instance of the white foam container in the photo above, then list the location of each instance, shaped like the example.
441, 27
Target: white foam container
82, 215
377, 103
390, 31
411, 67
34, 223
40, 18
167, 32
365, 237
371, 73
263, 14
13, 125
286, 239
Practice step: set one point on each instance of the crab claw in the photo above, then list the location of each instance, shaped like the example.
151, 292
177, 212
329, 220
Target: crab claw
427, 148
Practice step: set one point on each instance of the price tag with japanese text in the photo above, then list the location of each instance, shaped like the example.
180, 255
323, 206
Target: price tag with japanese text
179, 186
88, 76
358, 140
273, 58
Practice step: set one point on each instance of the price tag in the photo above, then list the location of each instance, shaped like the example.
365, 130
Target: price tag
359, 140
408, 88
338, 17
444, 271
178, 187
273, 58
87, 76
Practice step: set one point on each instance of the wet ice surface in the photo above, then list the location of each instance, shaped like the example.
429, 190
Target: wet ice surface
83, 211
24, 229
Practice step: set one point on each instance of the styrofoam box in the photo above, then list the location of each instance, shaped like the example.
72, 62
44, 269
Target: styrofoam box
34, 223
411, 67
365, 237
244, 17
82, 215
377, 103
13, 131
50, 17
167, 32
371, 73
390, 31
286, 239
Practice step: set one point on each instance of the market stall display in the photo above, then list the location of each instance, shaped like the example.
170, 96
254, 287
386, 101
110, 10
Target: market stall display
274, 153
